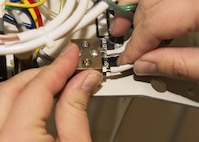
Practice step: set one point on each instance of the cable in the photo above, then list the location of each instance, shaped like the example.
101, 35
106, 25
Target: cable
47, 35
121, 68
53, 30
117, 51
25, 5
20, 26
118, 9
12, 20
72, 21
27, 13
25, 36
39, 17
52, 25
32, 13
48, 12
92, 14
130, 7
45, 56
47, 38
38, 14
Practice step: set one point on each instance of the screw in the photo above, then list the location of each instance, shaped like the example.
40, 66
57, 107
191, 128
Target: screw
94, 53
87, 62
85, 44
159, 85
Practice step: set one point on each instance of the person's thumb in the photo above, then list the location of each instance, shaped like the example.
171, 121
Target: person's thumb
180, 63
71, 115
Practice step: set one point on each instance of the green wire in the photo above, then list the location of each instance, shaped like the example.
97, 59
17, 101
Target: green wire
12, 7
122, 10
129, 7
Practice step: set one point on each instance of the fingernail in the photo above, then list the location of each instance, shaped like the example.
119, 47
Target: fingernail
143, 68
92, 81
67, 49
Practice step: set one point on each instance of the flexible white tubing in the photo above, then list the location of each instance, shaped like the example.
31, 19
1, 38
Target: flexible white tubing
118, 50
91, 15
121, 68
71, 22
44, 37
115, 51
47, 38
58, 20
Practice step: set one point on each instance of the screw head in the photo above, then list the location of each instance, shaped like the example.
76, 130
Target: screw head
159, 85
85, 44
87, 62
94, 53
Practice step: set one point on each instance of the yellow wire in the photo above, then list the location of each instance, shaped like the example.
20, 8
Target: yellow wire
32, 13
19, 5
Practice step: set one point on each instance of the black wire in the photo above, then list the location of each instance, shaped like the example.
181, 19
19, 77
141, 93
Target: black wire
12, 20
25, 11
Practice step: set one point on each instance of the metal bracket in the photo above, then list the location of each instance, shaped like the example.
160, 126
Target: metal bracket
90, 54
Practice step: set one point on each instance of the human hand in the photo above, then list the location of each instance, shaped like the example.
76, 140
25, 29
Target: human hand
154, 21
27, 99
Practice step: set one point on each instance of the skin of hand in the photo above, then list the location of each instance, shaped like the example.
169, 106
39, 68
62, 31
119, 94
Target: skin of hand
27, 99
155, 21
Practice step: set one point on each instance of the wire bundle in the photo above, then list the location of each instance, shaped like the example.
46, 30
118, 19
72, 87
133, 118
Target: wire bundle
73, 16
29, 7
64, 23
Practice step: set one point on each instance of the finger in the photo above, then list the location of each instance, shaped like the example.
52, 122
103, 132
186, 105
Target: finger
10, 89
126, 2
115, 27
141, 42
150, 31
71, 116
180, 63
35, 101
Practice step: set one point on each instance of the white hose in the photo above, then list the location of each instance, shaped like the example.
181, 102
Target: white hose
49, 37
121, 68
56, 28
58, 20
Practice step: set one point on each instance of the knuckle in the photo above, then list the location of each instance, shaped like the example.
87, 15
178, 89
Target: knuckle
78, 102
179, 69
